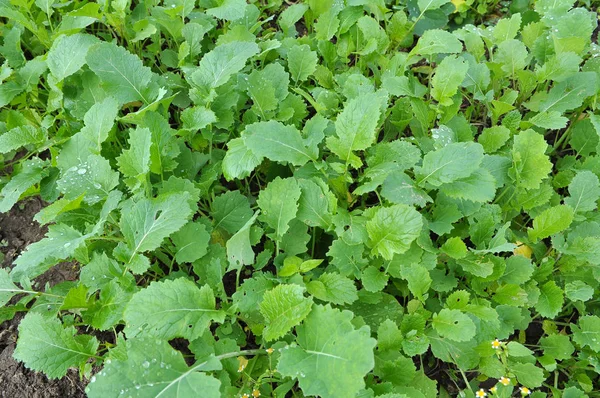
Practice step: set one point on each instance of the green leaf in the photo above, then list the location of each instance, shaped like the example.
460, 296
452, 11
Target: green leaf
530, 164
557, 346
108, 310
154, 369
283, 308
302, 62
418, 279
171, 308
147, 222
231, 211
389, 337
454, 247
528, 374
355, 128
21, 136
315, 203
450, 163
478, 187
493, 138
551, 221
330, 358
518, 350
584, 191
278, 142
373, 280
392, 230
33, 171
587, 332
239, 160
93, 177
570, 93
507, 28
218, 65
579, 290
191, 242
7, 288
334, 288
122, 74
399, 188
279, 204
45, 345
436, 41
454, 325
60, 243
67, 54
239, 248
449, 74
230, 10
512, 56
135, 161
551, 300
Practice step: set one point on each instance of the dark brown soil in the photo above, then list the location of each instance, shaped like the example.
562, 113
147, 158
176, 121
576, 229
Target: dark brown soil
17, 231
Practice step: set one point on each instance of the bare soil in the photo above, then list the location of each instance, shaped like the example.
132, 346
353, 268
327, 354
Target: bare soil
17, 231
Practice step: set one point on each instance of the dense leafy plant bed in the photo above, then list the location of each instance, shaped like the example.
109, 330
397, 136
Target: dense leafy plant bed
358, 198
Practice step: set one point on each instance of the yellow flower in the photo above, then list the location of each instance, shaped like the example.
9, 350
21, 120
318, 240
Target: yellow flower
481, 393
505, 380
496, 344
245, 396
255, 393
269, 351
525, 391
493, 389
522, 250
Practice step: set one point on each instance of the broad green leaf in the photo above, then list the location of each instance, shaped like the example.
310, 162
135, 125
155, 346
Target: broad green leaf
93, 178
67, 54
7, 288
355, 128
454, 247
45, 345
217, 66
392, 230
436, 41
279, 204
60, 243
587, 332
154, 369
122, 74
239, 249
334, 288
449, 74
551, 221
478, 187
373, 280
557, 346
389, 337
147, 222
426, 5
63, 205
108, 310
283, 308
450, 163
528, 374
418, 279
454, 325
231, 211
399, 188
276, 141
21, 136
32, 173
302, 62
191, 242
230, 10
579, 290
570, 93
584, 191
493, 138
314, 205
530, 163
101, 270
507, 28
512, 56
512, 295
135, 161
330, 358
239, 160
171, 308
550, 301
197, 118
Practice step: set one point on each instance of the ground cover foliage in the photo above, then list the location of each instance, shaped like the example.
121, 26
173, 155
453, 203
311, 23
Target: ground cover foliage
360, 198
